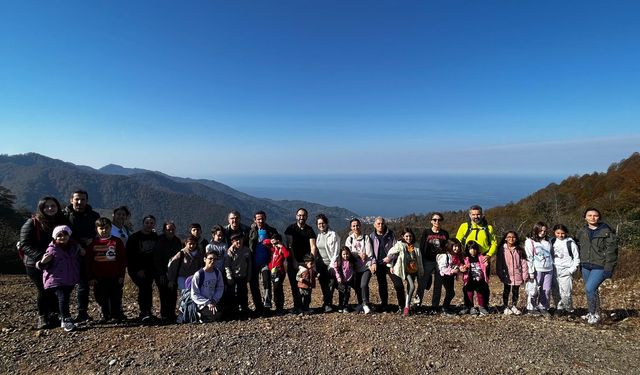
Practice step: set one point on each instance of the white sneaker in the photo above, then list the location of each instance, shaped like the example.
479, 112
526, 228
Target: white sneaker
515, 310
507, 311
366, 309
593, 319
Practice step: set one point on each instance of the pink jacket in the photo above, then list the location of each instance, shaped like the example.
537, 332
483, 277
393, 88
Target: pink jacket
483, 267
513, 269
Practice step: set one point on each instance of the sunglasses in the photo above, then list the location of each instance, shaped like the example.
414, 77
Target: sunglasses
436, 219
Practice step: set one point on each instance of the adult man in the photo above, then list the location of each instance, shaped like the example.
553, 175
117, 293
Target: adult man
167, 246
432, 243
260, 254
301, 241
140, 247
478, 230
383, 239
235, 227
82, 220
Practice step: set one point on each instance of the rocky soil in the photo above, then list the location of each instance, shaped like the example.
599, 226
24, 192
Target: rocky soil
382, 343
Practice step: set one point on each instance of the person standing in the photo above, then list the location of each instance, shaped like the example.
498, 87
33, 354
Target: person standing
35, 236
166, 248
121, 224
383, 239
301, 241
360, 246
598, 246
478, 230
260, 255
140, 248
432, 242
82, 220
328, 244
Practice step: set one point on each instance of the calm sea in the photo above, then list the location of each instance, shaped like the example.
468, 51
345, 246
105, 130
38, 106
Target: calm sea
392, 195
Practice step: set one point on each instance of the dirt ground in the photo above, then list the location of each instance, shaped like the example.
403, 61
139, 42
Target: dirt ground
381, 343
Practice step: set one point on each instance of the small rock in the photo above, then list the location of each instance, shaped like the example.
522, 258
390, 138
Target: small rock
112, 362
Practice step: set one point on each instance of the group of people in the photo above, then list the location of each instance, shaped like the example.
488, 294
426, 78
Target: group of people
210, 279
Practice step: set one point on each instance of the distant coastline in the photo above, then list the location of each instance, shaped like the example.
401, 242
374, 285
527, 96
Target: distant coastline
392, 195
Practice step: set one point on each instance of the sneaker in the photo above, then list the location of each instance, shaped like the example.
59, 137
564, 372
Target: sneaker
417, 300
83, 317
68, 325
42, 322
146, 319
105, 319
515, 310
405, 311
464, 311
267, 305
366, 309
483, 312
593, 319
586, 317
533, 312
473, 311
327, 308
507, 311
448, 312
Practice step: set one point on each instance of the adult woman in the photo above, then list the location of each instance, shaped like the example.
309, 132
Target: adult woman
328, 244
360, 246
121, 227
432, 242
35, 236
598, 256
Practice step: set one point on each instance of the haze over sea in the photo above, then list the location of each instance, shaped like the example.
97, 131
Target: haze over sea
393, 195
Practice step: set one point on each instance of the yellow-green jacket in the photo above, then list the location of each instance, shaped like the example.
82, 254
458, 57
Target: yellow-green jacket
487, 241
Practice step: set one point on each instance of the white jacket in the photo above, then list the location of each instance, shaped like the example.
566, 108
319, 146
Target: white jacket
565, 265
539, 257
328, 244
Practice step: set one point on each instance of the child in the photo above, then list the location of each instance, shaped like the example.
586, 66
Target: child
275, 273
566, 259
540, 266
475, 279
237, 265
217, 245
106, 266
344, 270
449, 263
512, 270
408, 264
61, 270
207, 286
185, 263
306, 278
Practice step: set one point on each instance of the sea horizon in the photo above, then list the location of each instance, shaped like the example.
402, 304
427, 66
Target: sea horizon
393, 195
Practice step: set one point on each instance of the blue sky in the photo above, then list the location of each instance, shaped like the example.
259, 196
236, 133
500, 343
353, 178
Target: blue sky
207, 88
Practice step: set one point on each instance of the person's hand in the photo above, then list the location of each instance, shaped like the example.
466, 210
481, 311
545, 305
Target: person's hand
386, 259
373, 267
485, 261
212, 307
46, 258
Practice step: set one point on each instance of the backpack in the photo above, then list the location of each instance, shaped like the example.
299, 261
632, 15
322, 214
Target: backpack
188, 309
20, 245
569, 242
470, 228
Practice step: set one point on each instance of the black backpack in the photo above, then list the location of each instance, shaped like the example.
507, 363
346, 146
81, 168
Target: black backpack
470, 228
569, 242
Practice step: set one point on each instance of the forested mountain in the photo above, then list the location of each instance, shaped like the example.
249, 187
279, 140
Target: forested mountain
31, 176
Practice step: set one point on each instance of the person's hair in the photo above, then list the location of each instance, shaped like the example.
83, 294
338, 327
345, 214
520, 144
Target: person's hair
518, 246
306, 213
259, 212
354, 219
122, 208
235, 213
49, 222
79, 191
196, 226
322, 217
591, 209
308, 258
406, 230
472, 245
475, 207
166, 224
438, 214
339, 259
217, 228
191, 238
212, 252
277, 237
562, 227
149, 217
537, 227
103, 222
451, 243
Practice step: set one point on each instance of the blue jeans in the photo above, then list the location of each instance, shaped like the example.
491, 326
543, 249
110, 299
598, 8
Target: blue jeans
592, 280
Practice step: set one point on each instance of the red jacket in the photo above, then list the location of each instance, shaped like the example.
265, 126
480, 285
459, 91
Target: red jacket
278, 256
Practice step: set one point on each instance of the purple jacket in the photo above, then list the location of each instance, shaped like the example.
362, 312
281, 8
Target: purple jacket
64, 268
